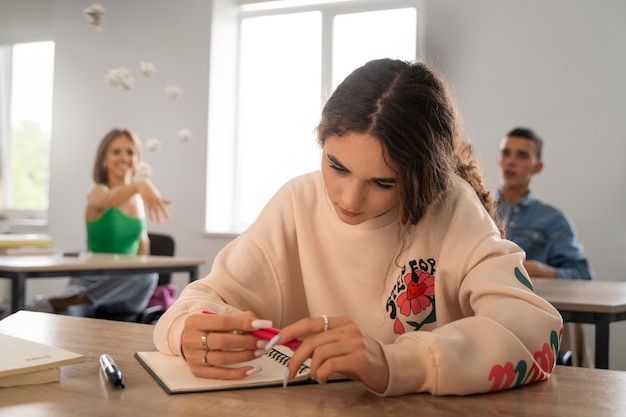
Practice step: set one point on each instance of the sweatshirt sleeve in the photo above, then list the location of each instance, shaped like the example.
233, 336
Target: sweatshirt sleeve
255, 272
505, 335
242, 278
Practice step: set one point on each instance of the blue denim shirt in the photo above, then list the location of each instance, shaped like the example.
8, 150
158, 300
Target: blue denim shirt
546, 235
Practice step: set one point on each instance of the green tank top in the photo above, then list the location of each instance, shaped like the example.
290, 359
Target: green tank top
115, 232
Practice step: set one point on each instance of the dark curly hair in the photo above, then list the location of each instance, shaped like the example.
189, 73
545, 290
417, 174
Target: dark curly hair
410, 109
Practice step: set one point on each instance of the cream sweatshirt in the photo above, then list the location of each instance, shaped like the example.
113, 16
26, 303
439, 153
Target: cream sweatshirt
454, 314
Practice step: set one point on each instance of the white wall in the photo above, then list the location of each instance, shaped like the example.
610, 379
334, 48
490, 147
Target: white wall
556, 66
25, 20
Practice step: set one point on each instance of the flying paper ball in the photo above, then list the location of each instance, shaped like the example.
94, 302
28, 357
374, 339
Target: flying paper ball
95, 15
144, 170
147, 69
153, 144
119, 78
184, 135
172, 92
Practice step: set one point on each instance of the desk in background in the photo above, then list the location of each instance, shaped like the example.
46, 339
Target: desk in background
595, 302
20, 268
83, 390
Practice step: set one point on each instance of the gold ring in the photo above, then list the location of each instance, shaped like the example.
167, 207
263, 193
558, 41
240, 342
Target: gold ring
204, 361
325, 317
204, 343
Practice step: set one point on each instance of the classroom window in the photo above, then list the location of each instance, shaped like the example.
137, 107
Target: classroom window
290, 55
26, 78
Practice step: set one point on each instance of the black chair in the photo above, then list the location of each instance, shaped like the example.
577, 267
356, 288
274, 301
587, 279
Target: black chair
161, 245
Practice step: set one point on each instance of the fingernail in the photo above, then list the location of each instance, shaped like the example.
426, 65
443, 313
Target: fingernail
260, 352
260, 343
253, 371
261, 324
285, 378
272, 342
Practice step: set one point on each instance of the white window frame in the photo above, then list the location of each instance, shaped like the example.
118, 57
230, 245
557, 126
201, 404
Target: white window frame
11, 218
222, 129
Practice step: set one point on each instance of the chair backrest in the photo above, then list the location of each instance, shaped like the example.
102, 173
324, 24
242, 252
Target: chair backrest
162, 245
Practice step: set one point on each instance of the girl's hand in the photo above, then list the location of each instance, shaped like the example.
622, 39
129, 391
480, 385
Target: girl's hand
341, 348
154, 203
213, 342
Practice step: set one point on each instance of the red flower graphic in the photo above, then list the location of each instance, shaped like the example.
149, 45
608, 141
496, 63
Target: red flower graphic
416, 298
507, 376
398, 328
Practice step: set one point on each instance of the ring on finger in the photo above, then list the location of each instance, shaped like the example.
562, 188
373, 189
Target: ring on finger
204, 361
325, 317
204, 342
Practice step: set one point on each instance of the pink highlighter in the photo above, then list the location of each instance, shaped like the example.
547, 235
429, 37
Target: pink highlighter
268, 334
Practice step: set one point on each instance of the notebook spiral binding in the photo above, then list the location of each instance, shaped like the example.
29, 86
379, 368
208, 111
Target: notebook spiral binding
283, 359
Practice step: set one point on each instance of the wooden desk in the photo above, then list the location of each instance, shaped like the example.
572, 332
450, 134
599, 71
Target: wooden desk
84, 391
20, 268
596, 302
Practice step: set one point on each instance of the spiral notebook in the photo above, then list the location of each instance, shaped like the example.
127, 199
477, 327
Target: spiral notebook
174, 376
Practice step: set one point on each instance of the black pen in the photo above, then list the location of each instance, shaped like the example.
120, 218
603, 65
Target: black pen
113, 373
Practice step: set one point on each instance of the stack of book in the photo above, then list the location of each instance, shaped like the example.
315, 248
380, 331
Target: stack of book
24, 362
27, 244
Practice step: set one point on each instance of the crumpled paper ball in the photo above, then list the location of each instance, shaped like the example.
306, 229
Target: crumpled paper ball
147, 69
144, 170
173, 92
153, 144
183, 135
95, 15
120, 78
